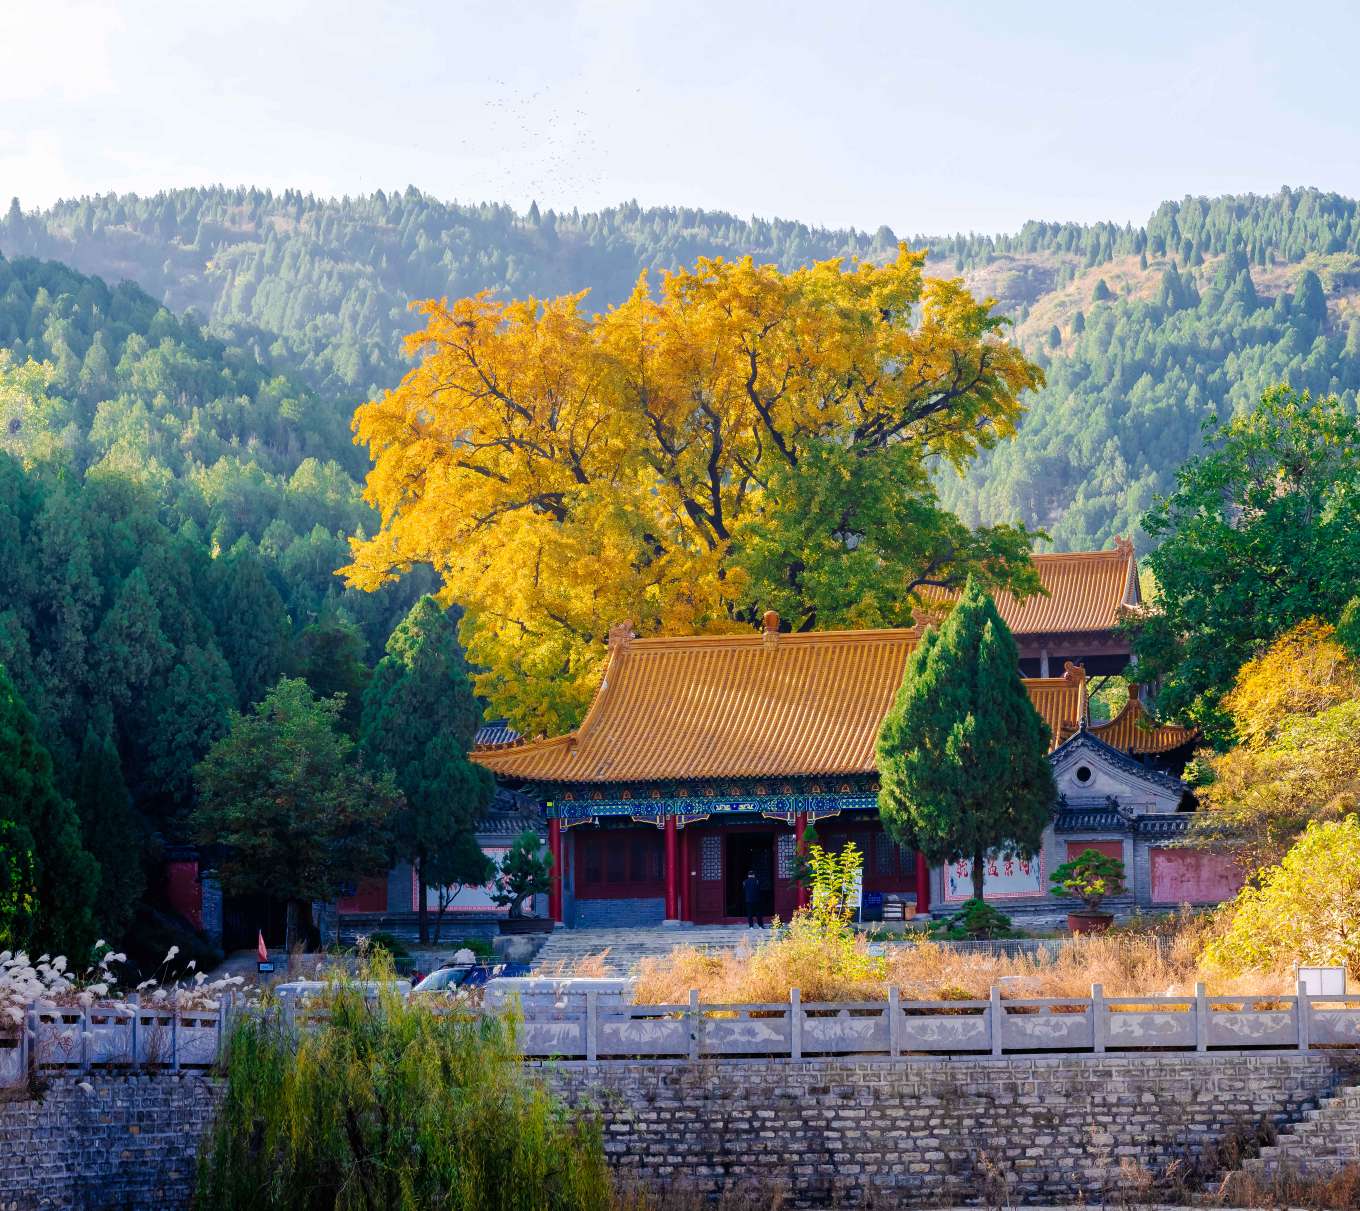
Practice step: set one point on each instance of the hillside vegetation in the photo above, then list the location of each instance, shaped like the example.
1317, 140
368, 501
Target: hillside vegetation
1145, 330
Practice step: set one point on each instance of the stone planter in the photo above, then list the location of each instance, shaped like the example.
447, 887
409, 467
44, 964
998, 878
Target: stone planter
518, 925
1089, 922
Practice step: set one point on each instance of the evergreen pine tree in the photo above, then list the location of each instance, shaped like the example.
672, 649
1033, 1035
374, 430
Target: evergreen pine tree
1102, 293
112, 831
1310, 301
962, 754
38, 821
420, 718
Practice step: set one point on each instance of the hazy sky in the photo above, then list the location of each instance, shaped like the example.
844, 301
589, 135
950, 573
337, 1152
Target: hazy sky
928, 117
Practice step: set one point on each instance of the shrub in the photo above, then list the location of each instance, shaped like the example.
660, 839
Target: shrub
1305, 910
384, 1103
390, 943
525, 872
1090, 877
976, 919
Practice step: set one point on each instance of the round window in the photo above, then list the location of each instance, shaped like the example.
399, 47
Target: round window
1083, 773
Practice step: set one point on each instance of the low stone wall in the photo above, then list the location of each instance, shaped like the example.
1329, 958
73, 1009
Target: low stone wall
931, 1131
131, 1143
818, 1132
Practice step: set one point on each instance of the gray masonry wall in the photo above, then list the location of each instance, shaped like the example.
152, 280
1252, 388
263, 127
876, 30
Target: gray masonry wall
613, 914
931, 1131
822, 1132
132, 1144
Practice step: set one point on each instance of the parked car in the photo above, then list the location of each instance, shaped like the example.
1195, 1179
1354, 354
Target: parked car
468, 975
301, 989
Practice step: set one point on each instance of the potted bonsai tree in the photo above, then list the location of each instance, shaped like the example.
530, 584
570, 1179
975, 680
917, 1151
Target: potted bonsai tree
525, 871
1089, 877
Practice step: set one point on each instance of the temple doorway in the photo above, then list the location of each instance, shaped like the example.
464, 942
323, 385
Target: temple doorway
747, 852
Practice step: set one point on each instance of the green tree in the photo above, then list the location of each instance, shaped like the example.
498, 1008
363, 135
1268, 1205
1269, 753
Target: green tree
526, 870
283, 793
39, 822
1102, 293
329, 657
962, 754
1305, 910
1261, 533
112, 831
251, 622
420, 718
450, 868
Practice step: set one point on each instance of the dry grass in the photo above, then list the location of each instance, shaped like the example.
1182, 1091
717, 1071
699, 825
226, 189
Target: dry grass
1160, 961
1339, 1191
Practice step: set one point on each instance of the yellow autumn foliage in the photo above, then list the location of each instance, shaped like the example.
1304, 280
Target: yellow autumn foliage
563, 472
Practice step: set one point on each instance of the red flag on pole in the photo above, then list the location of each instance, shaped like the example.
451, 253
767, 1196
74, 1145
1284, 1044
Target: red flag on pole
262, 950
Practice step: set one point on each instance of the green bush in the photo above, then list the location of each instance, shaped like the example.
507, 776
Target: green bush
384, 1104
390, 943
975, 919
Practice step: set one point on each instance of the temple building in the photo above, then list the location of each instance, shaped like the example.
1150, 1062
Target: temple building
704, 757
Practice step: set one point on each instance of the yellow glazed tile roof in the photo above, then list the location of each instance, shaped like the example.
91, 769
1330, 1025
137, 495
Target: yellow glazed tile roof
1133, 731
745, 706
1087, 591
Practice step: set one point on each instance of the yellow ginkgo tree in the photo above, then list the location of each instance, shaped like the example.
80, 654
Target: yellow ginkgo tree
739, 439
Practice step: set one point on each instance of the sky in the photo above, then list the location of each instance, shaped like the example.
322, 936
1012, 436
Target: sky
928, 117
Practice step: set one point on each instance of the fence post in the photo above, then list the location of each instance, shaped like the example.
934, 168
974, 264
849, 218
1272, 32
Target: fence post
795, 1024
135, 1000
894, 1022
1303, 1010
1099, 1017
1201, 1019
221, 1029
34, 1052
592, 1024
84, 1040
692, 1017
174, 1031
994, 1021
23, 1048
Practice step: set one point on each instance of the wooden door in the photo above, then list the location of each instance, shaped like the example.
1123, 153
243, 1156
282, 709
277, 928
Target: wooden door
785, 889
706, 875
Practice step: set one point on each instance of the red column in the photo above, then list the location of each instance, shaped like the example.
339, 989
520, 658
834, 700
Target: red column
922, 883
799, 825
672, 883
686, 883
555, 879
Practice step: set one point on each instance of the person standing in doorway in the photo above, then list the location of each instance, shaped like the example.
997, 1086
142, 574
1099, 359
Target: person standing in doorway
750, 889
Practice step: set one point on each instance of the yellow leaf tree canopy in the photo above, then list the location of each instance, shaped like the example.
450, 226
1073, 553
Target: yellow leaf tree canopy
1296, 711
742, 439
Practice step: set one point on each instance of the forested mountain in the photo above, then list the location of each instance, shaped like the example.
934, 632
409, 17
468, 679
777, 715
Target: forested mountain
172, 510
1144, 330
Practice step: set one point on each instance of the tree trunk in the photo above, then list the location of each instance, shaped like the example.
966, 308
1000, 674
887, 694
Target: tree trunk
290, 931
979, 872
424, 915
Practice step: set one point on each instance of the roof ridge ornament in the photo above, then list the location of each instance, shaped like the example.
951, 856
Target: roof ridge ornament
621, 634
1123, 545
770, 621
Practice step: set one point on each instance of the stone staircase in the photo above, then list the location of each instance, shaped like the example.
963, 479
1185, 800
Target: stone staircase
1325, 1139
623, 949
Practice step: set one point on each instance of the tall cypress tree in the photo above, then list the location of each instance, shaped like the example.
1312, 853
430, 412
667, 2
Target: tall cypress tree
962, 754
419, 721
40, 822
112, 831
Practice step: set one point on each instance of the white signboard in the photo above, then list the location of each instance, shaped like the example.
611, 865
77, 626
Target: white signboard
1006, 875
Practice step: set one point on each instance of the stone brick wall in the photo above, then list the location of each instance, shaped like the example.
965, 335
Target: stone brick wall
613, 914
131, 1144
932, 1131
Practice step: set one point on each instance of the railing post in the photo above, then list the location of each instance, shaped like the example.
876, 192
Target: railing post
1303, 1011
174, 1031
894, 1022
23, 1048
795, 1024
34, 1052
84, 1038
592, 1024
692, 1017
135, 1000
994, 1021
221, 1029
1201, 1019
1099, 1018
